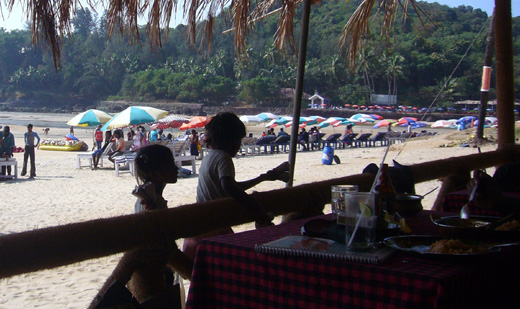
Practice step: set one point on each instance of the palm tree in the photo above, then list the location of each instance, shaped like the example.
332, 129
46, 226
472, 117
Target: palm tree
364, 66
50, 25
393, 70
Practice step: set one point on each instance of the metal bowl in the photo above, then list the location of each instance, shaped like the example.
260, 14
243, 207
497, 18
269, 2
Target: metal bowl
475, 226
408, 204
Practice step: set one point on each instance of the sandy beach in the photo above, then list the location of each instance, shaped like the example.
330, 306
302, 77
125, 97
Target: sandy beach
61, 193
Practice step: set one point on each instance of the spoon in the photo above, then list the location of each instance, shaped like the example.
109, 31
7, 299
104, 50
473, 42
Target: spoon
464, 211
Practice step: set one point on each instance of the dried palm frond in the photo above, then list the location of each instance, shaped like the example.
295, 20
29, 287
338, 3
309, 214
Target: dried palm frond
357, 28
51, 19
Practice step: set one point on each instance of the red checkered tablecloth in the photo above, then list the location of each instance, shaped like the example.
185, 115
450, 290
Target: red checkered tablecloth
454, 201
229, 274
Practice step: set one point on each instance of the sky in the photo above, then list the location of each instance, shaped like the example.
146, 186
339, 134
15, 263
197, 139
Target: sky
16, 20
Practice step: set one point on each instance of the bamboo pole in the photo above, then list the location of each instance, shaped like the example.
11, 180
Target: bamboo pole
302, 56
62, 245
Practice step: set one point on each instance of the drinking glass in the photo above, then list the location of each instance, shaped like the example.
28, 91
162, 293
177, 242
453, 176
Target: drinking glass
360, 221
337, 203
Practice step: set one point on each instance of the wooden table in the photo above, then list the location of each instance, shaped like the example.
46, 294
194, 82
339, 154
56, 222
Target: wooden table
10, 162
228, 273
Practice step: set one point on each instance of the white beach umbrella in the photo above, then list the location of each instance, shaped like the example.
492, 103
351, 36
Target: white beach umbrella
267, 116
251, 120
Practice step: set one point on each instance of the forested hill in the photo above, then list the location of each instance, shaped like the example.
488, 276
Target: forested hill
416, 67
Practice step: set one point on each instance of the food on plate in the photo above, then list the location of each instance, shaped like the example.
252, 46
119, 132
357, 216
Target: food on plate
454, 246
509, 226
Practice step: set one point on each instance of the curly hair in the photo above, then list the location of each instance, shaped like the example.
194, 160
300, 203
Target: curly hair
223, 130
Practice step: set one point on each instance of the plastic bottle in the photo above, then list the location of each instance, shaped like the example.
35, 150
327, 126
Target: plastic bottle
385, 194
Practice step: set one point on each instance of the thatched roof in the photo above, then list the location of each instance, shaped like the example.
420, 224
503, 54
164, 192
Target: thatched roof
51, 19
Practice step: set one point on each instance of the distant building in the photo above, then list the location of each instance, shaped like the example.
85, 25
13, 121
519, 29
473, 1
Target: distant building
383, 99
317, 101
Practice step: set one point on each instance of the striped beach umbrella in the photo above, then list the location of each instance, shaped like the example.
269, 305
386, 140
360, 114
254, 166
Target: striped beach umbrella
92, 117
135, 115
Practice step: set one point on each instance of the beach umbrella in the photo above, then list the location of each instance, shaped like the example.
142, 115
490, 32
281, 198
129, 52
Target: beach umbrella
330, 121
195, 123
276, 122
384, 123
267, 116
135, 115
355, 106
348, 105
466, 119
171, 121
358, 120
416, 125
251, 120
344, 123
92, 117
443, 124
376, 117
271, 124
318, 119
302, 125
492, 120
365, 117
406, 120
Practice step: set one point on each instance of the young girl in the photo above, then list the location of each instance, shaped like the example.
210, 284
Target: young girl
154, 167
223, 135
145, 269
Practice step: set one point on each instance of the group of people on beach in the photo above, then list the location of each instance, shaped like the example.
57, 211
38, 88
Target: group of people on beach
7, 147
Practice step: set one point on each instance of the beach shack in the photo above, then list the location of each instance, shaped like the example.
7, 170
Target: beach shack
318, 101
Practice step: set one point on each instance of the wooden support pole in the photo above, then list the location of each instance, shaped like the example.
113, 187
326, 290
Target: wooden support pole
504, 74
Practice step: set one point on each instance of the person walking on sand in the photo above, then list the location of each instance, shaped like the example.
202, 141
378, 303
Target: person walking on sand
29, 137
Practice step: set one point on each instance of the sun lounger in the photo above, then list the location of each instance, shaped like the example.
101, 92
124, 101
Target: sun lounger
178, 149
88, 156
397, 137
362, 140
348, 139
379, 138
281, 141
249, 145
125, 160
265, 141
331, 139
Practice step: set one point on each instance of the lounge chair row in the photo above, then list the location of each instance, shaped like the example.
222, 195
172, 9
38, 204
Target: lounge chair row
272, 144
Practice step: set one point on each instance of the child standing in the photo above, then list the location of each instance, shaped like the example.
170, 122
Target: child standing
99, 136
223, 135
